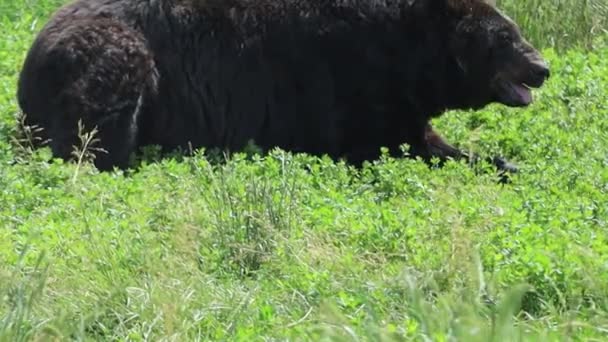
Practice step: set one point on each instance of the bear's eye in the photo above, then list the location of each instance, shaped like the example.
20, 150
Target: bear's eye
504, 38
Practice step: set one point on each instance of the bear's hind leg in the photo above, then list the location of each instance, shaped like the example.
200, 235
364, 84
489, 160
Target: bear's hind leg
95, 71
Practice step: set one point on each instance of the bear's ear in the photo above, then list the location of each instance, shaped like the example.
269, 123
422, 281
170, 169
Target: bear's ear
412, 4
425, 6
460, 7
467, 6
424, 10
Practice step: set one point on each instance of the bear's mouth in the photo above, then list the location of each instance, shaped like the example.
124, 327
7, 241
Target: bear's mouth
515, 94
520, 93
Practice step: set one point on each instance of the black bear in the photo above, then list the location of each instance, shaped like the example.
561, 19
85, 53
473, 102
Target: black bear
336, 77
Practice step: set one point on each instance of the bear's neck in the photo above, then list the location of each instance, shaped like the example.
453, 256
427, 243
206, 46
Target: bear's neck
428, 72
440, 83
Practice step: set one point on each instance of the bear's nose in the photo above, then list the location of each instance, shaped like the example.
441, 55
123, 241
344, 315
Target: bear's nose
541, 70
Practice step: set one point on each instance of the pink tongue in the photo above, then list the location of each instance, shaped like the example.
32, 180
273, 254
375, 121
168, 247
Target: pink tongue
525, 95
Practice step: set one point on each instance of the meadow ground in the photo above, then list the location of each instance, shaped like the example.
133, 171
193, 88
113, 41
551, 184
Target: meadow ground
264, 248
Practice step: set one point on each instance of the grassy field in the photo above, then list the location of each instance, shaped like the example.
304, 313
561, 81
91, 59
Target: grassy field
299, 248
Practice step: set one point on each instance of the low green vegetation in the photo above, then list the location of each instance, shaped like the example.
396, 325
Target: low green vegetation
293, 247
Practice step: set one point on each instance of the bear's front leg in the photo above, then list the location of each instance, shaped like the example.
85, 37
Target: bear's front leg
434, 145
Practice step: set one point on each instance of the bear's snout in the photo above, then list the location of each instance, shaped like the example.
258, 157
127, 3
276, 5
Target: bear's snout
539, 73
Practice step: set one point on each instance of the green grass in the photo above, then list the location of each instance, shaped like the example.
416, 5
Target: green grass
299, 248
559, 23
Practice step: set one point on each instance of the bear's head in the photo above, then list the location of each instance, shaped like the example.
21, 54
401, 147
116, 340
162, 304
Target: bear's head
490, 50
489, 59
492, 55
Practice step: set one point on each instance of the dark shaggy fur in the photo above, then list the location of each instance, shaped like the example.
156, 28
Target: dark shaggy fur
336, 77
